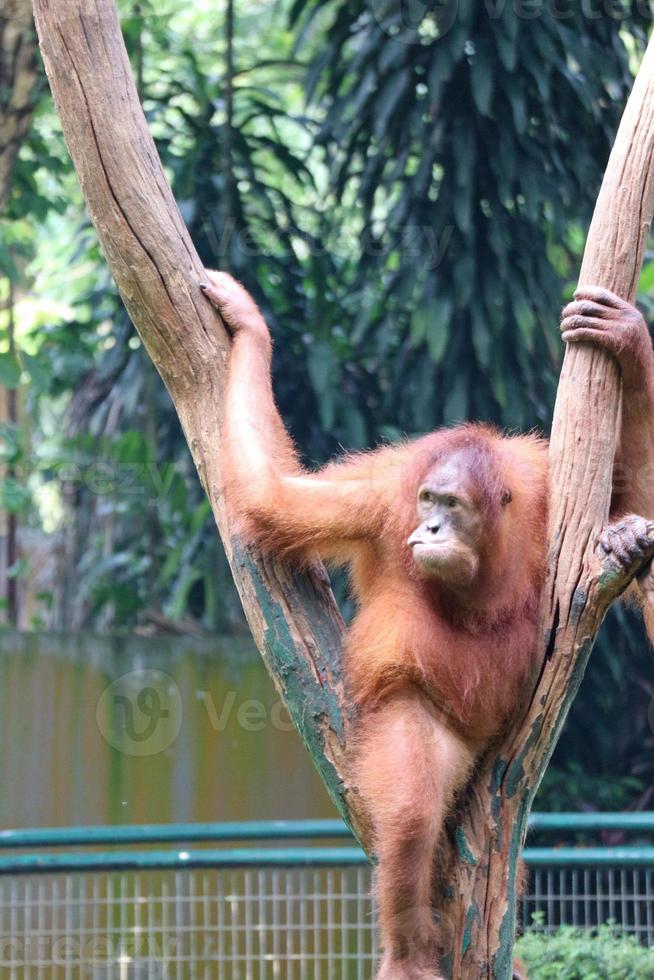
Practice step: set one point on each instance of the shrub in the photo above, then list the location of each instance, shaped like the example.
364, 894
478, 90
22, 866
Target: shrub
581, 954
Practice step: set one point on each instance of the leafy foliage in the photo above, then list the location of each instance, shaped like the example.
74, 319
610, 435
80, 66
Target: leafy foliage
470, 138
129, 548
578, 954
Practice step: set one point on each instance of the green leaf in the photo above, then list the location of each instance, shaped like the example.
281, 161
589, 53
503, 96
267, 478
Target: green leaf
465, 151
38, 371
498, 385
437, 339
9, 370
462, 207
507, 49
438, 333
388, 99
439, 72
646, 281
355, 429
430, 323
518, 107
178, 602
14, 496
482, 80
481, 337
200, 514
420, 320
321, 367
7, 264
525, 317
456, 403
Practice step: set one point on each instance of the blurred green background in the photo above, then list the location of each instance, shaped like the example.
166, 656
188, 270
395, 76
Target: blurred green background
405, 188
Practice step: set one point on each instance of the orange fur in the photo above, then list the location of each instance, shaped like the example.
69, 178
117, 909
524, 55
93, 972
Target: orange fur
435, 678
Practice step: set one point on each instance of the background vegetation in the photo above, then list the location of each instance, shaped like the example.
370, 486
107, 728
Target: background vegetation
576, 954
405, 189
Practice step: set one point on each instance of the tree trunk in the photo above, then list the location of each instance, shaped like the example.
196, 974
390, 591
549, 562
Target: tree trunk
579, 587
293, 618
18, 75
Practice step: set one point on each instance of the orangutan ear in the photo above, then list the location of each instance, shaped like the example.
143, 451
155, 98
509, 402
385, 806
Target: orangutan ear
507, 497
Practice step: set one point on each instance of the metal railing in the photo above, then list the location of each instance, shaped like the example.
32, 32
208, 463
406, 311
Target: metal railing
143, 911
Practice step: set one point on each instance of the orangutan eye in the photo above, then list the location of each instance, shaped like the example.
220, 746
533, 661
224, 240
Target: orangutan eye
425, 497
452, 502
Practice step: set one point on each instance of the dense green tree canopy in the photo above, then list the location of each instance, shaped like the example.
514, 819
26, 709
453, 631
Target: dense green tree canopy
471, 138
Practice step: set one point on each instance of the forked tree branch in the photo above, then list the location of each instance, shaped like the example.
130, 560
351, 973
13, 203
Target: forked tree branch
294, 620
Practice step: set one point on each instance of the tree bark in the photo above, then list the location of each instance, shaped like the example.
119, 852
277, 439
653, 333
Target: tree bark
18, 76
580, 585
293, 619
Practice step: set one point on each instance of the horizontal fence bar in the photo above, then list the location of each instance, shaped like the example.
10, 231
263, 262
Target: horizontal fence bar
291, 857
592, 821
277, 830
632, 857
175, 833
273, 857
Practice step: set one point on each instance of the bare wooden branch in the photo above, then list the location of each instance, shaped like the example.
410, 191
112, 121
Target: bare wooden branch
295, 622
580, 585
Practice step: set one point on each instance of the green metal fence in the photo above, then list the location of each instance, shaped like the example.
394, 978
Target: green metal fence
182, 901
